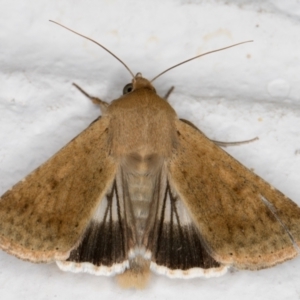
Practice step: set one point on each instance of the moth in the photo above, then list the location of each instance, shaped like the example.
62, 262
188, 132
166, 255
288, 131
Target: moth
140, 190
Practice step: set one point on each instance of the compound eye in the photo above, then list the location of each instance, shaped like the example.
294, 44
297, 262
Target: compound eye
127, 88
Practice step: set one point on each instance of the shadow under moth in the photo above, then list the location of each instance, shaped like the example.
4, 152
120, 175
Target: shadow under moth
140, 190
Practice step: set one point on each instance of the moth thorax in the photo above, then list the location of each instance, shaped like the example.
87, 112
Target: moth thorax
141, 121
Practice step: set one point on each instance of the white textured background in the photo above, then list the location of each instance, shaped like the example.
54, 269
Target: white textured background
252, 90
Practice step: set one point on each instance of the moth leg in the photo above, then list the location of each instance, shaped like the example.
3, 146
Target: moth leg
225, 144
219, 143
103, 105
168, 93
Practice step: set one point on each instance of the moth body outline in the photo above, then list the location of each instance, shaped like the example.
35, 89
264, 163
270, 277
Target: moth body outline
140, 190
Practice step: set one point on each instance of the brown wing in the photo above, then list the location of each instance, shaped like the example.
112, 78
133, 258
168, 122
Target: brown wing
44, 216
242, 219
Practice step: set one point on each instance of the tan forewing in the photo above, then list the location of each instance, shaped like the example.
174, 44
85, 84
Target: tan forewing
242, 219
43, 216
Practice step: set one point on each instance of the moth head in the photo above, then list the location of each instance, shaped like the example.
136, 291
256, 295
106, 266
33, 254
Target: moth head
138, 82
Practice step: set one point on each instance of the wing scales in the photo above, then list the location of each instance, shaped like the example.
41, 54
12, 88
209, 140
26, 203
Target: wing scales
224, 200
209, 212
46, 223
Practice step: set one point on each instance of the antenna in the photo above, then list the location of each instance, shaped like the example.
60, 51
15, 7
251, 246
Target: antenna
209, 52
131, 73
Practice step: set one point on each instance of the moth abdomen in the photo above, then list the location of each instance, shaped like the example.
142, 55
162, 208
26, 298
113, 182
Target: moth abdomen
141, 163
141, 189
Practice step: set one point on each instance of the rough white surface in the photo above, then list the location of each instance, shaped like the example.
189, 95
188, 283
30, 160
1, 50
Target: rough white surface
252, 90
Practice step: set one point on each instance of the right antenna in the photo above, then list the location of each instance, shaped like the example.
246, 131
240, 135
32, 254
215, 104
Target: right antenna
209, 52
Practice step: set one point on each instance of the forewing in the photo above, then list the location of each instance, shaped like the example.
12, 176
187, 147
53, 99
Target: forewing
243, 221
44, 216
